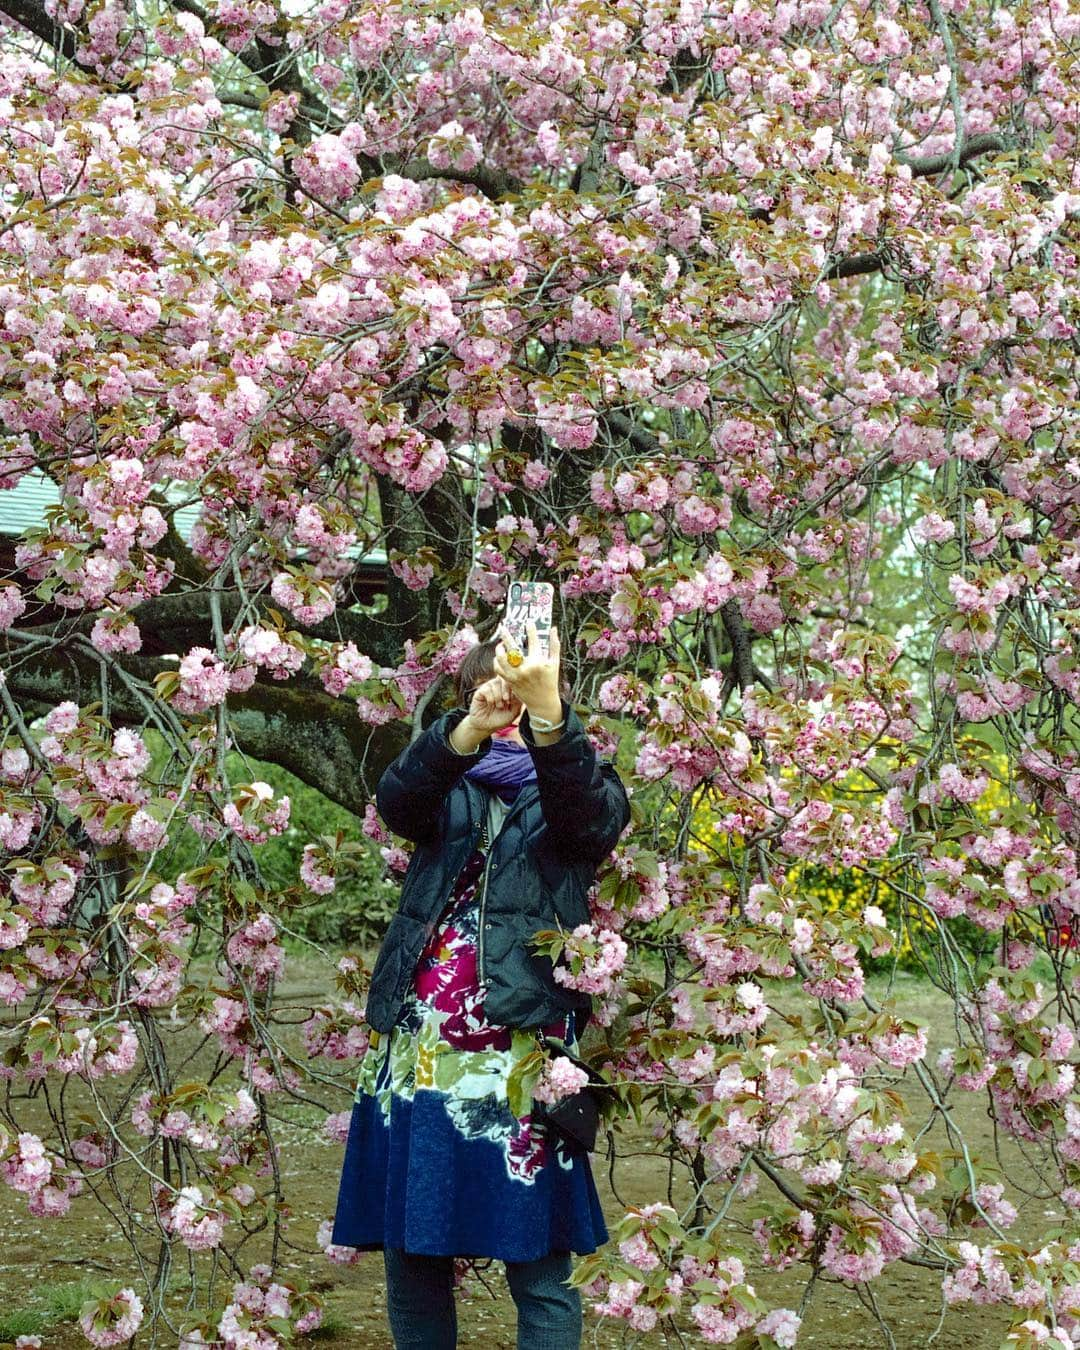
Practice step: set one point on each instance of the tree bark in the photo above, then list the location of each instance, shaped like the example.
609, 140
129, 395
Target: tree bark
297, 725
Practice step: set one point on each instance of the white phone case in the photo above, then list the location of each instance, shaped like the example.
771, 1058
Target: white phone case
529, 601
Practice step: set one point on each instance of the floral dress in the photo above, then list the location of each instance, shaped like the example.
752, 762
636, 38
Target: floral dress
436, 1162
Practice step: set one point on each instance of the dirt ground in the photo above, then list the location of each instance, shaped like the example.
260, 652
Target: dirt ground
38, 1258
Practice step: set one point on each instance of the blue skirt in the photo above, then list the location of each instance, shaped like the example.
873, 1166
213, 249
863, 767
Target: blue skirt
436, 1161
419, 1183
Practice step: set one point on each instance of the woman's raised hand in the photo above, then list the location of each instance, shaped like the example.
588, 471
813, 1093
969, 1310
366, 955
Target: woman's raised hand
493, 706
536, 681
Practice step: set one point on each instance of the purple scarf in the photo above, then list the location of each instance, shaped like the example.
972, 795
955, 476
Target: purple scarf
505, 769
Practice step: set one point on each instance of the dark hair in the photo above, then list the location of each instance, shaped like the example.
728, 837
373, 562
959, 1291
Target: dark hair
479, 666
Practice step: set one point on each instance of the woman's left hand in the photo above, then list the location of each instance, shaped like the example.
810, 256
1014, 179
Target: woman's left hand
536, 681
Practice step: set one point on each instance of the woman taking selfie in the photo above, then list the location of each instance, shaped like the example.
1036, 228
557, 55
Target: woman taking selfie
511, 813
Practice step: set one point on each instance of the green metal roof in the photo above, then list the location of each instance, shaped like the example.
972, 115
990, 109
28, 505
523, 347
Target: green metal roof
22, 507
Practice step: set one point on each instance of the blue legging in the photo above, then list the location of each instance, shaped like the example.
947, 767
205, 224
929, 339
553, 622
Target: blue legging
422, 1315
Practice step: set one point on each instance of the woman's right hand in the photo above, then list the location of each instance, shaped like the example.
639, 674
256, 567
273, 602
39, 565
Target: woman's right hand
493, 707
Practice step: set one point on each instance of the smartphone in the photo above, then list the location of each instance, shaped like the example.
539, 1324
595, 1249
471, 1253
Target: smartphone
529, 602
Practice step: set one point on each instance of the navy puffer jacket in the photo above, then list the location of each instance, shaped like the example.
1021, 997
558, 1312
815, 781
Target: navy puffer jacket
538, 872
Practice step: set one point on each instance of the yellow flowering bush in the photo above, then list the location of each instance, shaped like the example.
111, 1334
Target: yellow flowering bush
892, 886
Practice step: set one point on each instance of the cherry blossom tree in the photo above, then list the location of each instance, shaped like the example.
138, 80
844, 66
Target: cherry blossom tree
754, 325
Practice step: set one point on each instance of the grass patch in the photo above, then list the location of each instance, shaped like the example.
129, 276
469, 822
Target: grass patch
22, 1322
64, 1302
57, 1303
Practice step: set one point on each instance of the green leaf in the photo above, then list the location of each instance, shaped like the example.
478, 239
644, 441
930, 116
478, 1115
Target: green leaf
521, 1080
166, 683
648, 865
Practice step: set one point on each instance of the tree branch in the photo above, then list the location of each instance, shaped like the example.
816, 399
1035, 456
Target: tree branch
742, 661
492, 182
985, 143
34, 18
278, 70
180, 619
643, 441
860, 264
298, 726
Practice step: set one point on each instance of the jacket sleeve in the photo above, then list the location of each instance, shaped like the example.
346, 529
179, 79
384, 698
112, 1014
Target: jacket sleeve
583, 800
411, 791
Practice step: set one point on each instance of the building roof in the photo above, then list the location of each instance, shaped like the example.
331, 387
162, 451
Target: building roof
22, 507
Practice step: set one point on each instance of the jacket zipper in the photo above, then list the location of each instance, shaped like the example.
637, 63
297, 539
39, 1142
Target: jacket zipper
483, 900
484, 981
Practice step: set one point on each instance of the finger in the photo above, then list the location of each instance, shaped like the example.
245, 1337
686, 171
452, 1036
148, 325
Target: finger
554, 645
503, 664
488, 693
534, 638
510, 643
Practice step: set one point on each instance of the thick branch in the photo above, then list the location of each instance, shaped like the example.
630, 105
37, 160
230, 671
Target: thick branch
492, 182
742, 661
858, 264
187, 614
643, 441
187, 566
34, 18
987, 142
318, 738
275, 66
411, 523
587, 176
278, 70
686, 68
176, 621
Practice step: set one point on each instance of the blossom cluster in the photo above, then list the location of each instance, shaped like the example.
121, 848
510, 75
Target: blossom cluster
259, 1311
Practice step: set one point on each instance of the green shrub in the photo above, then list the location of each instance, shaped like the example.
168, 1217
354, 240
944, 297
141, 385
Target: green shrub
355, 913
